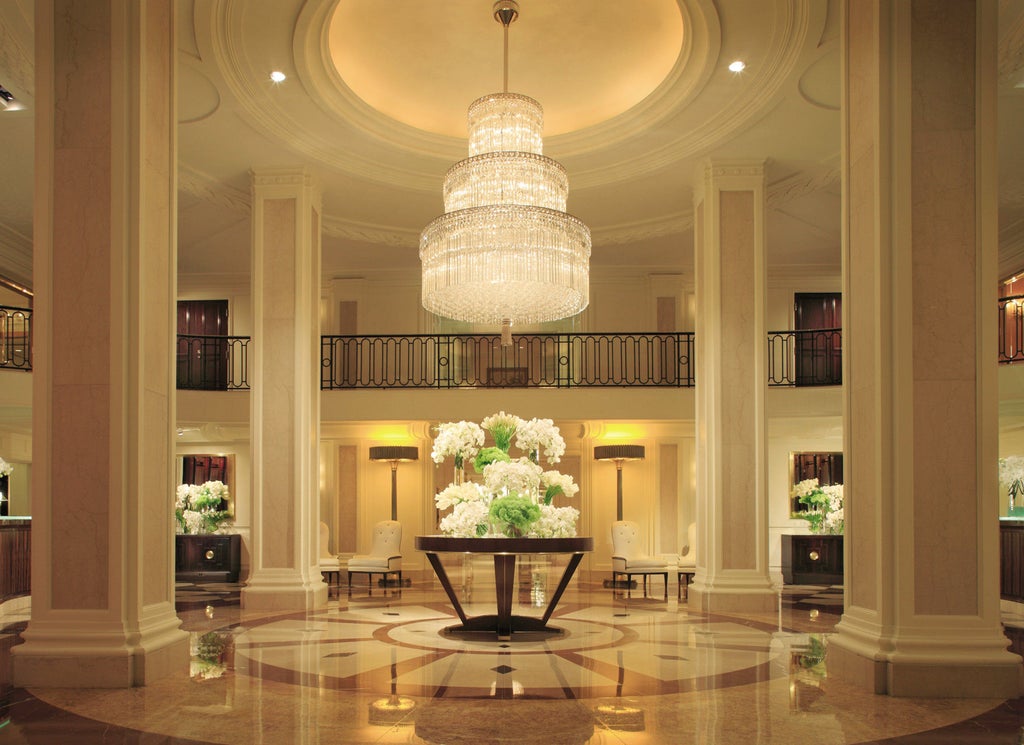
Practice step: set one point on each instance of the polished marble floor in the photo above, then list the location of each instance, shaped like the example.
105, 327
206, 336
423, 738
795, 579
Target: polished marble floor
376, 667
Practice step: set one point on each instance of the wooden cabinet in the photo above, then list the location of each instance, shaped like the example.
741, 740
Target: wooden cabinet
207, 558
1011, 560
812, 559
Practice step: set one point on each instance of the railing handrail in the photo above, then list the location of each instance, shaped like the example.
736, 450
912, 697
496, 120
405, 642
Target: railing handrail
533, 360
807, 331
212, 336
805, 357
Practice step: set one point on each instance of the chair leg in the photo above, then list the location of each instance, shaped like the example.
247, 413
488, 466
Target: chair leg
350, 581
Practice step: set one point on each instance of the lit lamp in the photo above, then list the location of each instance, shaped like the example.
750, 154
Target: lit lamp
394, 454
620, 454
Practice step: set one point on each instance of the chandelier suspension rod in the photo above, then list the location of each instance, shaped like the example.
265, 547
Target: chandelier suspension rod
505, 12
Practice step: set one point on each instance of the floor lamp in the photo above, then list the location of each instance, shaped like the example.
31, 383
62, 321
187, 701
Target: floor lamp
620, 454
394, 454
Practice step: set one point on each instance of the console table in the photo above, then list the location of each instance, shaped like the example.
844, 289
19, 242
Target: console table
503, 624
812, 559
207, 557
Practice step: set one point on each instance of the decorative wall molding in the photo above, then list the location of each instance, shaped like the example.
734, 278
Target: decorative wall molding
643, 230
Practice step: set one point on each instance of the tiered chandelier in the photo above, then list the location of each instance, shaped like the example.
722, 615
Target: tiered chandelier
505, 251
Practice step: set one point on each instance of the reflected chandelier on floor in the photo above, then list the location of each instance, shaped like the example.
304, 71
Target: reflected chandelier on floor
505, 251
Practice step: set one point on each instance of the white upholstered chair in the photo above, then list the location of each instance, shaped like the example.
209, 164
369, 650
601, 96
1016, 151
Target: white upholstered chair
687, 565
628, 557
385, 555
330, 565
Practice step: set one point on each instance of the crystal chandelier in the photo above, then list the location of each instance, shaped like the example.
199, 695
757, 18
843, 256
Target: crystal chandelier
505, 251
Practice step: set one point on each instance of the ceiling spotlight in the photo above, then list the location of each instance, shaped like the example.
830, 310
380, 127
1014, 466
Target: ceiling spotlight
278, 77
8, 101
737, 65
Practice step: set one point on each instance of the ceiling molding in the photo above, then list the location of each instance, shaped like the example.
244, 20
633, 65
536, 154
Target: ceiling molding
634, 232
799, 185
1011, 48
17, 63
15, 256
352, 230
207, 188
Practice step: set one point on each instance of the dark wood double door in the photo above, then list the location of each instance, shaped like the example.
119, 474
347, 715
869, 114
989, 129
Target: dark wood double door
818, 320
202, 360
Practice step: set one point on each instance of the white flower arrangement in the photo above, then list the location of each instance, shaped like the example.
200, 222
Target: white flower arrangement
540, 435
1011, 474
515, 496
554, 483
197, 507
5, 468
825, 513
512, 477
461, 440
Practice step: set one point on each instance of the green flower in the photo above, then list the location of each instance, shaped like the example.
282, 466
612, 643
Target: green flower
487, 456
517, 513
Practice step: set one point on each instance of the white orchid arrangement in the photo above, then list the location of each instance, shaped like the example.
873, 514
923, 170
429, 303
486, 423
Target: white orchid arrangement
197, 507
825, 514
515, 496
461, 440
1011, 474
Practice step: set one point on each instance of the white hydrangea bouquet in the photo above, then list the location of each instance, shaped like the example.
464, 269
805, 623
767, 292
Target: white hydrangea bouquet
5, 468
514, 498
197, 507
825, 515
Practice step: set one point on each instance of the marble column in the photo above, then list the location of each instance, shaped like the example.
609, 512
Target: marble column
285, 398
103, 326
920, 395
731, 383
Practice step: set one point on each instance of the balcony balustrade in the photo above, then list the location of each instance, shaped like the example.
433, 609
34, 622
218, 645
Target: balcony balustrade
213, 363
1011, 329
811, 357
532, 361
15, 338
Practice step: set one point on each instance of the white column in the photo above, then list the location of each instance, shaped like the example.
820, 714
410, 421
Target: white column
285, 398
920, 394
103, 324
731, 384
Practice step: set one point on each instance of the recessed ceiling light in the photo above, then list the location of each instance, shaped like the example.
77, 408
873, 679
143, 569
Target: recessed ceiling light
737, 65
278, 77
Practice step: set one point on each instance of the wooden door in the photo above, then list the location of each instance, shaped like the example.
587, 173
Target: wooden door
203, 344
819, 356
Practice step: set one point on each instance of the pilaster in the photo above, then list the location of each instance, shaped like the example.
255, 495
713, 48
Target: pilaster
732, 508
103, 389
919, 254
285, 398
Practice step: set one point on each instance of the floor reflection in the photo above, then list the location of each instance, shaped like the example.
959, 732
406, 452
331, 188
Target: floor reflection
380, 669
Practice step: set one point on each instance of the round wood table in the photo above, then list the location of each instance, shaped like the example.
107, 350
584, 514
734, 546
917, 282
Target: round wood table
503, 624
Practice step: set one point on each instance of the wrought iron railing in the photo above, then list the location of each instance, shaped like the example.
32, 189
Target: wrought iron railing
1011, 329
532, 361
805, 358
213, 363
15, 338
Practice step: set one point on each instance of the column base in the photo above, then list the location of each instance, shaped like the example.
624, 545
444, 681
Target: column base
84, 654
711, 600
284, 590
938, 663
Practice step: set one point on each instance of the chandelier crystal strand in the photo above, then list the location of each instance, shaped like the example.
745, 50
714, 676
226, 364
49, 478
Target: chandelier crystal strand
505, 251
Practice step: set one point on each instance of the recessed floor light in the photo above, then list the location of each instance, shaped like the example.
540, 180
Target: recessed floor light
278, 77
737, 66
